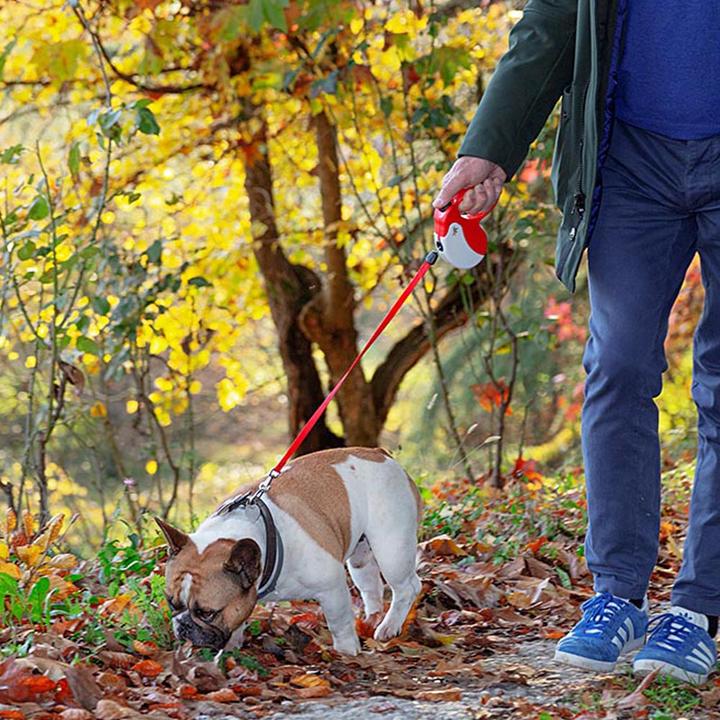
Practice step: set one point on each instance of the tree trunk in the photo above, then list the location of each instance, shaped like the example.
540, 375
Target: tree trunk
289, 288
328, 319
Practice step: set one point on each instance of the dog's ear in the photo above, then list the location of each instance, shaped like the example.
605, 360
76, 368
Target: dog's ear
244, 563
176, 539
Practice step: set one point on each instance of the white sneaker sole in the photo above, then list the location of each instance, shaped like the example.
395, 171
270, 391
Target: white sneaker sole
645, 667
585, 663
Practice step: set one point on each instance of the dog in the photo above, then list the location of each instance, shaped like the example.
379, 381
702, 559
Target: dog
353, 507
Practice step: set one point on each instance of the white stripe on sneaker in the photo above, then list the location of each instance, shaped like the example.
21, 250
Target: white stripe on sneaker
702, 657
630, 627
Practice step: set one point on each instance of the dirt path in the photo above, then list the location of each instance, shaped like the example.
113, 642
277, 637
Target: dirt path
523, 684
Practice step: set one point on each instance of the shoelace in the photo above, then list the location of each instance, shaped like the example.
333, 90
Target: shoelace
671, 634
599, 611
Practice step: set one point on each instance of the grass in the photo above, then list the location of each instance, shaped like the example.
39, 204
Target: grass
671, 699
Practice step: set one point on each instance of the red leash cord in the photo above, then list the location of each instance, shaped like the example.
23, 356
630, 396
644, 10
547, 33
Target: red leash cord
430, 258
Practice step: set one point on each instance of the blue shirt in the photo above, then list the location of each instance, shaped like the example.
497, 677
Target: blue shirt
669, 72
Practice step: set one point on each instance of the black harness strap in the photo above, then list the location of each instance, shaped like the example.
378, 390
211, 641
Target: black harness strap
274, 551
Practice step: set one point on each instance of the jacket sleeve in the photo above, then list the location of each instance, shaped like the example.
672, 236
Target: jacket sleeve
525, 86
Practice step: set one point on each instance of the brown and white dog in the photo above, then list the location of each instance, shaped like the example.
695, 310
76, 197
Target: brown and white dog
353, 506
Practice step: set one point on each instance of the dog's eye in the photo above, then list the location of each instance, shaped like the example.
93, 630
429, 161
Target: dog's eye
206, 615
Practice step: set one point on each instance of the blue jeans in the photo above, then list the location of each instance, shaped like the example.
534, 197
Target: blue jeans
660, 205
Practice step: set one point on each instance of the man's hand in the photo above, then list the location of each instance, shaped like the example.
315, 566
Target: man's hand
485, 179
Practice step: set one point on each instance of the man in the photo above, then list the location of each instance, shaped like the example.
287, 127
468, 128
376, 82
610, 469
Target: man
636, 173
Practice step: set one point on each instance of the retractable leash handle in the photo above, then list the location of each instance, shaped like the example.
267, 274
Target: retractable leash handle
460, 239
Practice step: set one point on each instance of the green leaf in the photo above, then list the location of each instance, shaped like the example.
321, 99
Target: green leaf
564, 578
8, 586
85, 344
5, 54
37, 597
59, 60
230, 21
109, 123
256, 16
146, 122
83, 323
199, 282
11, 155
154, 252
100, 305
274, 13
39, 208
74, 160
386, 105
27, 250
327, 85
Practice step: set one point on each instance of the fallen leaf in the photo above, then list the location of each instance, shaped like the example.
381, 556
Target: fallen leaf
186, 691
316, 691
84, 688
12, 715
444, 545
444, 695
148, 668
637, 699
309, 680
224, 695
76, 714
146, 649
111, 682
120, 660
111, 710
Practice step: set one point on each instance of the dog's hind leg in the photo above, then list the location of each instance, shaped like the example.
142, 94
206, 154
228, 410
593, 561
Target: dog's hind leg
337, 607
396, 559
365, 573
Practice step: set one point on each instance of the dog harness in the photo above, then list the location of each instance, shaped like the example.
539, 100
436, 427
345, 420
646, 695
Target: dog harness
274, 551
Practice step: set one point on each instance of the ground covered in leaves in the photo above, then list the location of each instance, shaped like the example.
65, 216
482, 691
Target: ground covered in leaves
502, 578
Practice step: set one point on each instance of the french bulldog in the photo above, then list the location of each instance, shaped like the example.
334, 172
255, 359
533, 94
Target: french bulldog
353, 507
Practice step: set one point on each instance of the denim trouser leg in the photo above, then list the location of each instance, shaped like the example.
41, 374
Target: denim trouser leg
643, 242
698, 584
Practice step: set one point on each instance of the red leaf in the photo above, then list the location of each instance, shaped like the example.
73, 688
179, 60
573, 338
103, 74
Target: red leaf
148, 668
307, 619
12, 715
224, 695
187, 691
39, 684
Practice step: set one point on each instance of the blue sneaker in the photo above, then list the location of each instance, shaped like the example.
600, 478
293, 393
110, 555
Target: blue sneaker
679, 645
609, 627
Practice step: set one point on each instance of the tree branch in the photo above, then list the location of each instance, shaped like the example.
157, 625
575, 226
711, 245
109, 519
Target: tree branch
132, 77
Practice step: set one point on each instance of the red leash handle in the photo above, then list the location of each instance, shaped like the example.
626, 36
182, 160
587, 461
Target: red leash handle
310, 424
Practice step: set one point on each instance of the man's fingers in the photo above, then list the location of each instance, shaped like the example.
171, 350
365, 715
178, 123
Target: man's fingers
453, 182
471, 172
481, 198
473, 197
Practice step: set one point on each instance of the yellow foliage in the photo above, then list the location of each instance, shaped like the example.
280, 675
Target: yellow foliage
10, 569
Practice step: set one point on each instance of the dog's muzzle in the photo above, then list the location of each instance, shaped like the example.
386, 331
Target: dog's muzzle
200, 635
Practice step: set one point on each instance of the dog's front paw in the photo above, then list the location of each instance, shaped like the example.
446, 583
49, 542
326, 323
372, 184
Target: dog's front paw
347, 645
388, 629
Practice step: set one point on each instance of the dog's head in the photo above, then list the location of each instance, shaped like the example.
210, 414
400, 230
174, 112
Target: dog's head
211, 593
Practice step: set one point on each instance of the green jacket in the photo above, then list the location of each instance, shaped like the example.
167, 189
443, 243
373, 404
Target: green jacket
560, 48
